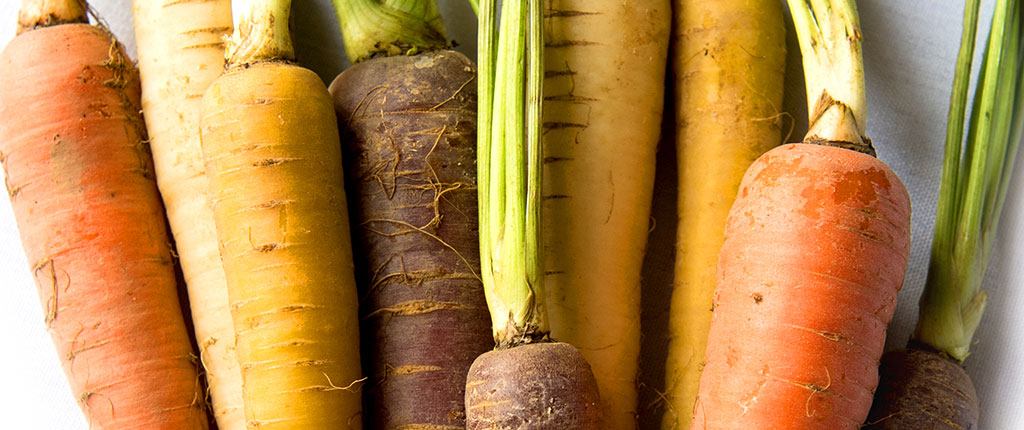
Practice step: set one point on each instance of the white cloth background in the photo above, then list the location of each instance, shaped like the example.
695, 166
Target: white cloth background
909, 50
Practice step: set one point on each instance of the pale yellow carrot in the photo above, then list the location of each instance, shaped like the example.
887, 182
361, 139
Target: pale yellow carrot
604, 88
180, 53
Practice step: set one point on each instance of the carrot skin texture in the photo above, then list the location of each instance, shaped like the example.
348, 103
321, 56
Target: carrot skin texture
180, 54
409, 125
923, 389
604, 87
79, 176
273, 156
728, 63
540, 386
815, 252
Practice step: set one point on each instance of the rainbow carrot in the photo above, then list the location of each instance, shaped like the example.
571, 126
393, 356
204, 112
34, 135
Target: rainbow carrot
273, 157
407, 116
180, 54
80, 179
816, 248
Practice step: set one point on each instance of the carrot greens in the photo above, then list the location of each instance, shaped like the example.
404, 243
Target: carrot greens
925, 385
370, 26
975, 177
503, 386
509, 160
829, 35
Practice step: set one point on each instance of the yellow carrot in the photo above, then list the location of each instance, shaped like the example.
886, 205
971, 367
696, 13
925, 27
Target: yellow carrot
273, 157
180, 54
604, 88
728, 63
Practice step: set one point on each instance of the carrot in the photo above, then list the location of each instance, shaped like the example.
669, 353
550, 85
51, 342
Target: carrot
922, 388
600, 57
180, 54
728, 65
273, 159
926, 385
528, 382
535, 386
409, 130
815, 251
79, 176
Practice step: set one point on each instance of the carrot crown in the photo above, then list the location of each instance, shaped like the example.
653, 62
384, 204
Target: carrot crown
975, 177
509, 163
389, 27
830, 43
46, 13
261, 33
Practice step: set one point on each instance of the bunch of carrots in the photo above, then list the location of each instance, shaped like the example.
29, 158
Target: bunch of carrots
432, 243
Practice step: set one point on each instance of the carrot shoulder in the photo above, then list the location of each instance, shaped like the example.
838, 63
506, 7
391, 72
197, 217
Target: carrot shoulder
79, 176
815, 252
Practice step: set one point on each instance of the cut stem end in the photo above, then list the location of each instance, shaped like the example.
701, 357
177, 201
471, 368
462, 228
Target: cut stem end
830, 45
261, 34
372, 28
47, 13
833, 124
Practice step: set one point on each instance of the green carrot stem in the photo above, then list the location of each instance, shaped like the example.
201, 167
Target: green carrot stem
507, 258
1016, 134
487, 31
261, 34
830, 44
974, 184
1010, 128
509, 169
45, 13
534, 155
947, 208
391, 27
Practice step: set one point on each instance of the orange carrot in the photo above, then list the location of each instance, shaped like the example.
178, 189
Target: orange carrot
815, 252
816, 248
79, 176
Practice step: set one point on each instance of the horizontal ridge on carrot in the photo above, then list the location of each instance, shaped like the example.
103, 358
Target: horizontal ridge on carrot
815, 252
80, 179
